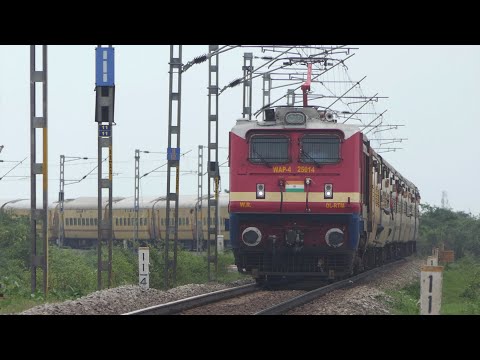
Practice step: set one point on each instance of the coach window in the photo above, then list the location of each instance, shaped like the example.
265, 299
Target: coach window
188, 222
95, 221
320, 149
269, 149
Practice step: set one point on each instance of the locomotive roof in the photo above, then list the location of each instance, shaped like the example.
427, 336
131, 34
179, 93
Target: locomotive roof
314, 120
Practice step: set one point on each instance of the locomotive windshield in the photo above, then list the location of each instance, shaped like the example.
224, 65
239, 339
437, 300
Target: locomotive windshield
269, 149
320, 149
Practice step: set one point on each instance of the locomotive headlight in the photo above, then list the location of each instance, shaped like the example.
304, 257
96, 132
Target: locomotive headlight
260, 191
334, 237
251, 236
328, 192
295, 118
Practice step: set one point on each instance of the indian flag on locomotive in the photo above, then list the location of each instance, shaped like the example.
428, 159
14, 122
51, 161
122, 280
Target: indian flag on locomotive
294, 186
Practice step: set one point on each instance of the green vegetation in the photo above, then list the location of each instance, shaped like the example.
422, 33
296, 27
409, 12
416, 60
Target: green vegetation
460, 293
73, 273
460, 232
461, 288
405, 301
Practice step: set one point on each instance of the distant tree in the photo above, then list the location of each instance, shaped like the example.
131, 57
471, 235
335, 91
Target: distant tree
458, 230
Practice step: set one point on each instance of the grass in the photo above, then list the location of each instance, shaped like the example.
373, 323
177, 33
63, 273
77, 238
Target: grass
14, 304
460, 291
461, 288
404, 301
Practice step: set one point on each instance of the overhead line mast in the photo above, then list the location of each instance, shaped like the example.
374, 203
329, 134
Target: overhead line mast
173, 157
104, 116
38, 121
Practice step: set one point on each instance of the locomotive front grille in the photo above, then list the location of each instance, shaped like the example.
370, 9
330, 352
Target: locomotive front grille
290, 263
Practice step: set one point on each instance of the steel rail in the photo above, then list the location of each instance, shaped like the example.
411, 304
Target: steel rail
177, 306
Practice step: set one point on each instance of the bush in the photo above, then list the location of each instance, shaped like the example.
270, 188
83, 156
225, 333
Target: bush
73, 273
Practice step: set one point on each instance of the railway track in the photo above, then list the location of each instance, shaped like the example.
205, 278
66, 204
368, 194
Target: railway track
303, 299
178, 306
217, 302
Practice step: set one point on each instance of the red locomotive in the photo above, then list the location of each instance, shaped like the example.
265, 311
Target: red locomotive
310, 198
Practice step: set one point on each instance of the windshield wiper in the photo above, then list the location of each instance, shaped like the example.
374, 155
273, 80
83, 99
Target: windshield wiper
261, 158
311, 158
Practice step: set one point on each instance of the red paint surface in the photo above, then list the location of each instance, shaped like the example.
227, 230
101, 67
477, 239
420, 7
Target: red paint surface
345, 175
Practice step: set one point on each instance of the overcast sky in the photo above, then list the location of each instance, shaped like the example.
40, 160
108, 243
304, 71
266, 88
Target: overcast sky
433, 90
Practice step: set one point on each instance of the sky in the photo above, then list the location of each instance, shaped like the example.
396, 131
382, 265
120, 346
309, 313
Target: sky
432, 90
